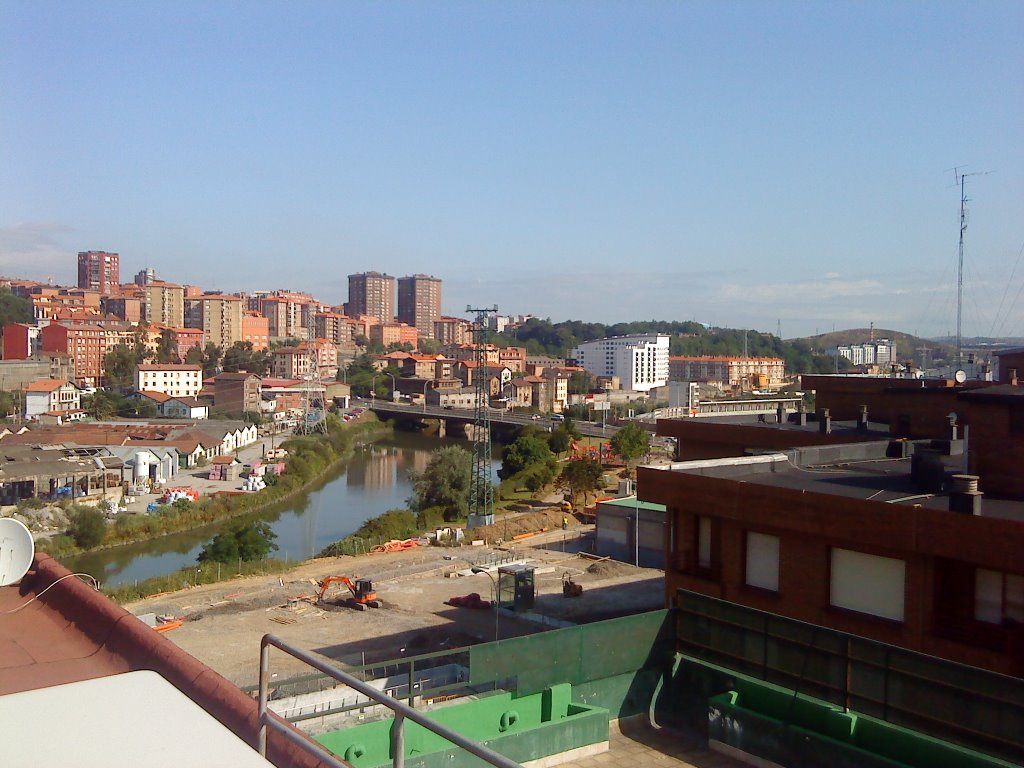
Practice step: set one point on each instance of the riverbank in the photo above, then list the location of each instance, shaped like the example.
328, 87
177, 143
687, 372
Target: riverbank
311, 461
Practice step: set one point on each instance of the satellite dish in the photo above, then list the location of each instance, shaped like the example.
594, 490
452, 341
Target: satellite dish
960, 377
16, 551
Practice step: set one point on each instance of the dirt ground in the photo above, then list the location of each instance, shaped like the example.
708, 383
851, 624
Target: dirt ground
224, 623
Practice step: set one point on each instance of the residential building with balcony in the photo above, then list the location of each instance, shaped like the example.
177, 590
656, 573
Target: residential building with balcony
165, 304
99, 271
371, 293
452, 331
419, 302
219, 316
394, 333
754, 372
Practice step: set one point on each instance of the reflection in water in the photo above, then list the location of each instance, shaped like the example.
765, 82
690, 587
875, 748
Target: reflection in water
375, 480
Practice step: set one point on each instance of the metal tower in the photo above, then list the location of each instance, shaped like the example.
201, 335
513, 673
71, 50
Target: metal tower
481, 492
314, 409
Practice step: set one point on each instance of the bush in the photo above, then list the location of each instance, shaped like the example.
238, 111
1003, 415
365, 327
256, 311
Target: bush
245, 541
88, 526
430, 518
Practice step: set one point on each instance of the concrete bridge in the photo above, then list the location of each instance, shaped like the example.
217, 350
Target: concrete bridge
503, 422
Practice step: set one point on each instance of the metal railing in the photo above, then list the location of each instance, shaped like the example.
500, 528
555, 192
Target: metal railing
401, 710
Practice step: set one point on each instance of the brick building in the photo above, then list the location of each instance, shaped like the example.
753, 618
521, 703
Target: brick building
845, 537
371, 293
255, 330
419, 302
991, 416
99, 271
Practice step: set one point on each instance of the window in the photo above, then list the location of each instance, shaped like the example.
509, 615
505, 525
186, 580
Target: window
704, 542
762, 561
998, 597
868, 583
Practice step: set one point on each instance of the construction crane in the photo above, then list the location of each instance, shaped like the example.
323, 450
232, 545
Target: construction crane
362, 593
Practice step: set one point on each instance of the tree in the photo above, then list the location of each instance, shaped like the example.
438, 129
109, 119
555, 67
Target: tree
559, 441
581, 476
444, 483
14, 309
526, 451
580, 382
242, 541
241, 356
167, 347
88, 526
631, 442
119, 367
211, 359
101, 404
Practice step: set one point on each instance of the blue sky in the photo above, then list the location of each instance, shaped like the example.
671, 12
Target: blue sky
742, 164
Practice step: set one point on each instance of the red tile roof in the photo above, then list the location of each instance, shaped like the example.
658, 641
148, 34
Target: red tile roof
45, 385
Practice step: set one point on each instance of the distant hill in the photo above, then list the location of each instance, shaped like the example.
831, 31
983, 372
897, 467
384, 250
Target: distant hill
908, 347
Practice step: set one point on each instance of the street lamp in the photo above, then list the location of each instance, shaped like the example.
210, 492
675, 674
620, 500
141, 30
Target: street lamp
494, 592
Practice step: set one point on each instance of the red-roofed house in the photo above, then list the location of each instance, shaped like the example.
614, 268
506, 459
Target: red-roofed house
51, 395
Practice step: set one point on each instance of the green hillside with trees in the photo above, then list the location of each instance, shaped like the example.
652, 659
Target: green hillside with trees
542, 337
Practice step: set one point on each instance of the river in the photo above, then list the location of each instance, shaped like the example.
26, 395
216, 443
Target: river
374, 480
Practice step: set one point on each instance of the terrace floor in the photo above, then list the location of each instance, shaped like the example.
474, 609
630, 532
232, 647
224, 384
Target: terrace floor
634, 743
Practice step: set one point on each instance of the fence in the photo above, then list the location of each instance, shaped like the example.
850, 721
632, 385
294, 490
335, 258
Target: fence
976, 708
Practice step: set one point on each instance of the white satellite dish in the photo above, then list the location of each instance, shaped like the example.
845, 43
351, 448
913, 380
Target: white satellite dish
960, 377
16, 551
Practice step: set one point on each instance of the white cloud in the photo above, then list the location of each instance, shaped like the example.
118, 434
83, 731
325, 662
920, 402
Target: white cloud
33, 250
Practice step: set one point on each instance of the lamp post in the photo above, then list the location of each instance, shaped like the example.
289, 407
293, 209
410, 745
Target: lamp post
494, 591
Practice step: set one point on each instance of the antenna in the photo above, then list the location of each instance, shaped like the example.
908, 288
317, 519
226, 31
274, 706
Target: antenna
16, 551
960, 180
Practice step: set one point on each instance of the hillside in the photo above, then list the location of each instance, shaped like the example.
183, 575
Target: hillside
908, 347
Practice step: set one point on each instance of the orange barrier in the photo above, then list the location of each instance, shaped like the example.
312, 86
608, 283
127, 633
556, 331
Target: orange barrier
395, 545
168, 626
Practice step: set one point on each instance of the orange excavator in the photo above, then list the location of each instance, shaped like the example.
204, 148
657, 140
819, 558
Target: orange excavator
362, 593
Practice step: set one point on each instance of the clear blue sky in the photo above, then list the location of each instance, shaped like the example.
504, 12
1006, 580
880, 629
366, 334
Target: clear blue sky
740, 164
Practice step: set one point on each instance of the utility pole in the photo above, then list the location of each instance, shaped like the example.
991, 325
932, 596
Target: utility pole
481, 493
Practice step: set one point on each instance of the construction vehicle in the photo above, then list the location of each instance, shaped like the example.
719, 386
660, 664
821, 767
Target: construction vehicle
569, 587
362, 593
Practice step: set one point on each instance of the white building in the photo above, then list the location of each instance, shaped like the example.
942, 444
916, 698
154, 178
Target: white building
878, 352
640, 362
51, 396
174, 380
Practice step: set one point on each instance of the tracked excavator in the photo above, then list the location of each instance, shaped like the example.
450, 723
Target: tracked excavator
362, 594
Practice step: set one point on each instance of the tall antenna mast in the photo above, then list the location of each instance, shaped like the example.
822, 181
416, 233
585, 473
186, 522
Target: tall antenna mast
960, 178
481, 492
314, 411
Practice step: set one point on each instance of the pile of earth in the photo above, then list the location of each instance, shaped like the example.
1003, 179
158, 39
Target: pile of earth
47, 519
508, 526
610, 569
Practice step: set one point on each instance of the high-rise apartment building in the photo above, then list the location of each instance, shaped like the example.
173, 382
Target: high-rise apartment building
371, 293
219, 315
419, 302
165, 304
99, 271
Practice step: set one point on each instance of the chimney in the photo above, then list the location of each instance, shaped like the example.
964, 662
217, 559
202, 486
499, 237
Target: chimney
965, 497
824, 422
1012, 377
801, 415
862, 419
